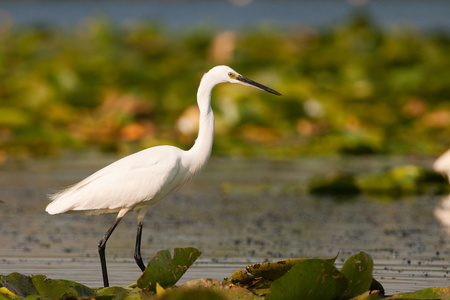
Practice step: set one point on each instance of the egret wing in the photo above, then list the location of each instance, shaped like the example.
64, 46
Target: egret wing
146, 176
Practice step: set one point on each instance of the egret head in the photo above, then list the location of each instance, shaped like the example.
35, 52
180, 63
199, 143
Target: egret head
222, 74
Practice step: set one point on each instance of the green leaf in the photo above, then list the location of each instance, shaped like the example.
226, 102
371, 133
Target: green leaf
309, 279
188, 294
426, 293
241, 277
376, 286
19, 284
375, 295
261, 276
33, 297
222, 289
358, 270
113, 292
56, 288
337, 185
166, 270
6, 294
274, 270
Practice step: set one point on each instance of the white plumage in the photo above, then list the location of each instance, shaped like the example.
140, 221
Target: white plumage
141, 179
442, 164
158, 170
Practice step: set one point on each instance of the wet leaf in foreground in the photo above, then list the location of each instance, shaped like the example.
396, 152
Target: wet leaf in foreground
188, 294
274, 270
358, 270
374, 295
165, 270
309, 279
114, 292
19, 284
56, 288
426, 293
376, 286
223, 289
259, 277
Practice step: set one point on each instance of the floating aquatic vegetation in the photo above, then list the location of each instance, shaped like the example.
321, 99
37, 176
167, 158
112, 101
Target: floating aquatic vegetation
286, 279
397, 181
352, 89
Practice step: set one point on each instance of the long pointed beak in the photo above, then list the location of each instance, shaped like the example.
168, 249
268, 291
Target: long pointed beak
249, 82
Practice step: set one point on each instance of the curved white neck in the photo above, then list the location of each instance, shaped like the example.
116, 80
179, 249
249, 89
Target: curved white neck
201, 150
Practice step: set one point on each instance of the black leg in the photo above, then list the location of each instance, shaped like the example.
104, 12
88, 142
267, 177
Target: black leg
137, 250
101, 251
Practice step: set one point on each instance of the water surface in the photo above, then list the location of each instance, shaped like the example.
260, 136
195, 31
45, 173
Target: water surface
430, 14
237, 212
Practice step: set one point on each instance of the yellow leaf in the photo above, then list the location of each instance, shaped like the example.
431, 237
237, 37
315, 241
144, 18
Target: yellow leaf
159, 289
6, 292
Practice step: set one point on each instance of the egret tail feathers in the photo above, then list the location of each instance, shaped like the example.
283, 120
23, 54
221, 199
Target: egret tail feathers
58, 206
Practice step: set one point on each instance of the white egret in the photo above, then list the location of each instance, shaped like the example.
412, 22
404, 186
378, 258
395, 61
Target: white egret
141, 179
442, 164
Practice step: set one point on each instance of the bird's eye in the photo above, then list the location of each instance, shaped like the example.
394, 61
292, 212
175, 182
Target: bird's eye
232, 75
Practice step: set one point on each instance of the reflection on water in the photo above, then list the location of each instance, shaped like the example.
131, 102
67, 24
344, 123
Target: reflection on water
237, 212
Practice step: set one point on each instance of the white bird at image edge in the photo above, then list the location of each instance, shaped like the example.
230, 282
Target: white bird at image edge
442, 164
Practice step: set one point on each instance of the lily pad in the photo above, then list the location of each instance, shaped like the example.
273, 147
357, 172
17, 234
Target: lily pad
358, 270
309, 279
426, 293
165, 270
404, 180
188, 294
241, 277
56, 288
376, 286
228, 291
114, 292
369, 295
19, 284
259, 277
336, 185
274, 270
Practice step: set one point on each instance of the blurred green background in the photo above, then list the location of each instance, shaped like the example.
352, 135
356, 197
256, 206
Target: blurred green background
352, 88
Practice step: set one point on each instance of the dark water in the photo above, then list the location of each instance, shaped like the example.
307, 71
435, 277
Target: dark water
237, 212
430, 14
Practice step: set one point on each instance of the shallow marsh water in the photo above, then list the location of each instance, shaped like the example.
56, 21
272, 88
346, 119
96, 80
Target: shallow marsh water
237, 212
